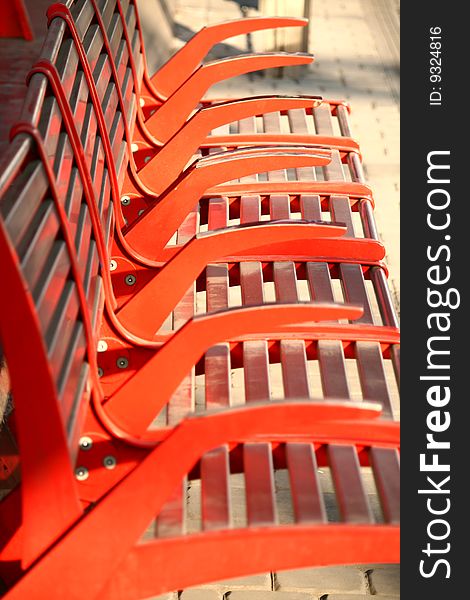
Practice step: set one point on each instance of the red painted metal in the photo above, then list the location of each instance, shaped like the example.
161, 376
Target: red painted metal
182, 64
48, 507
15, 20
141, 494
84, 535
171, 159
183, 348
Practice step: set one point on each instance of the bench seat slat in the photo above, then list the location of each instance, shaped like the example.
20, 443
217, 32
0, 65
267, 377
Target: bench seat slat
386, 469
215, 490
349, 487
372, 376
307, 497
217, 358
259, 484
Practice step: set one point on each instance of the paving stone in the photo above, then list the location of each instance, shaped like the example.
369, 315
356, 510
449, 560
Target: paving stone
254, 582
323, 580
356, 597
200, 594
251, 595
385, 580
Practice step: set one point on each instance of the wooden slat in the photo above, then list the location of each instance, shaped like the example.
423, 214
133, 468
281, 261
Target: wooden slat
246, 126
386, 468
343, 119
305, 487
350, 493
107, 8
172, 518
259, 484
340, 210
40, 244
182, 401
324, 126
272, 124
217, 359
255, 353
298, 124
293, 356
51, 284
333, 369
62, 327
372, 376
310, 205
354, 290
319, 282
215, 490
71, 368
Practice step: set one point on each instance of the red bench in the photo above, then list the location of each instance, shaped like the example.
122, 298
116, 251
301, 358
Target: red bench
107, 355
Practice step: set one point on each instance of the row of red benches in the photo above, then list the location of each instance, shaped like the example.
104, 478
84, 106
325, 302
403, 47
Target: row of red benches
157, 250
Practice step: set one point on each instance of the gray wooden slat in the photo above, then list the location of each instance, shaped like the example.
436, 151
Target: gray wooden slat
255, 353
305, 487
259, 484
349, 487
298, 124
310, 205
77, 408
354, 289
107, 8
215, 491
341, 213
333, 369
386, 469
182, 401
319, 282
272, 124
324, 126
372, 376
40, 244
246, 126
62, 326
51, 284
217, 359
71, 367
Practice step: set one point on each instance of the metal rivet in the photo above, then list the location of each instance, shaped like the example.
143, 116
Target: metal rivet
122, 362
109, 462
147, 158
141, 211
130, 279
134, 147
100, 372
102, 346
112, 265
142, 101
81, 473
152, 111
125, 200
85, 443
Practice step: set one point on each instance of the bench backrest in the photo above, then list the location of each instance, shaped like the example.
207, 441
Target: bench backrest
55, 230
